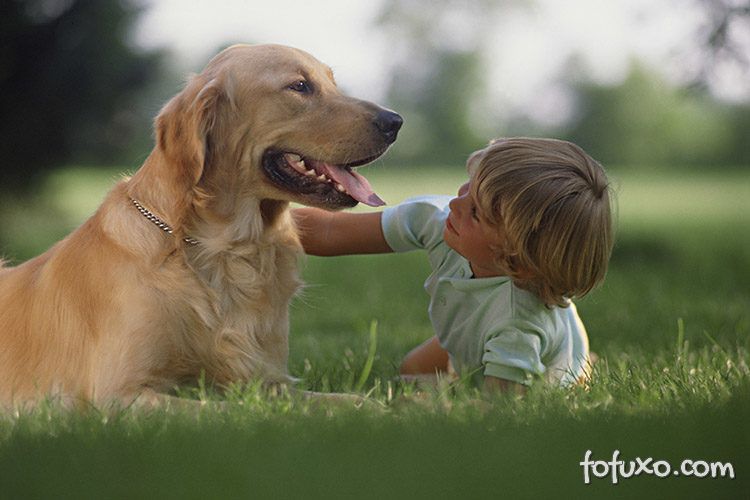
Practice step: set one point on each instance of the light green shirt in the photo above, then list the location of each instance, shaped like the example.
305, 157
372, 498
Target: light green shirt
489, 326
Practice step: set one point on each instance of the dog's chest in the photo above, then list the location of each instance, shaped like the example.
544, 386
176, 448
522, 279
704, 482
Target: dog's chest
251, 284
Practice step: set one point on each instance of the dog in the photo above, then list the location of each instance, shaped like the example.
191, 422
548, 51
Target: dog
187, 268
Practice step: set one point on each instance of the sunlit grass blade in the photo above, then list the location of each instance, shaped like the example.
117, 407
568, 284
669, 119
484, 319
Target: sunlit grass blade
371, 349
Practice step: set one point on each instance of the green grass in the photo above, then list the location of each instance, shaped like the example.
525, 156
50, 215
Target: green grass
671, 325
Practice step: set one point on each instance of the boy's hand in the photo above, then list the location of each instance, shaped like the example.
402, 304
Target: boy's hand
327, 233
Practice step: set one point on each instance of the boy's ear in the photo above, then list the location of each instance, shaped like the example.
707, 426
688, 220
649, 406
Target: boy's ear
516, 266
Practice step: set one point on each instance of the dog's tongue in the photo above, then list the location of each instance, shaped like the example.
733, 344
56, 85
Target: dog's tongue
355, 185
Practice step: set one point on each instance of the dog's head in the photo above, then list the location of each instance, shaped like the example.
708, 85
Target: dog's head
268, 121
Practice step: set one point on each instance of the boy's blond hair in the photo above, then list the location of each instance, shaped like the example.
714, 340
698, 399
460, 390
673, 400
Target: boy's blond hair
551, 201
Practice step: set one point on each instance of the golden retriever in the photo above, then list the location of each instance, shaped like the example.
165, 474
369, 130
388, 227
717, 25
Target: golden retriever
188, 267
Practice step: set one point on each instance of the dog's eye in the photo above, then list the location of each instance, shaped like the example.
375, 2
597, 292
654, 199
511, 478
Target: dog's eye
301, 86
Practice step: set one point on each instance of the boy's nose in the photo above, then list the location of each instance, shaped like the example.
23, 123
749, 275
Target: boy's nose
452, 204
455, 205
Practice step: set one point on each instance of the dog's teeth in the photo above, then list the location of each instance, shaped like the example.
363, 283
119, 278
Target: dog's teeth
340, 188
296, 162
310, 173
322, 177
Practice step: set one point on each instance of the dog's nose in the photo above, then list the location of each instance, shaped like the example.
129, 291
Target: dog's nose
388, 123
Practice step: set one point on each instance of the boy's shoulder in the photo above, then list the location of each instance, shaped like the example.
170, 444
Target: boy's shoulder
516, 306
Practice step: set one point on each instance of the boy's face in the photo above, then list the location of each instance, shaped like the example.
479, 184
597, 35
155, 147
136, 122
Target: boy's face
471, 237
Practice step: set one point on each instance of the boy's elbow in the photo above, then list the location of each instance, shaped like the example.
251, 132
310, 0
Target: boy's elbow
494, 385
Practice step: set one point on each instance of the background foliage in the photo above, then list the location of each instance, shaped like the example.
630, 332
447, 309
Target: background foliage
80, 91
70, 84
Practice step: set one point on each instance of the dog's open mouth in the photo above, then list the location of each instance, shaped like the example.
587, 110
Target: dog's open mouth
327, 184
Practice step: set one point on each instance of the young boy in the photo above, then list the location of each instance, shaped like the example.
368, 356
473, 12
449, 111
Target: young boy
529, 231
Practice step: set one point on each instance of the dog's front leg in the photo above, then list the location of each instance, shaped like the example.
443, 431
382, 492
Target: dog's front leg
149, 399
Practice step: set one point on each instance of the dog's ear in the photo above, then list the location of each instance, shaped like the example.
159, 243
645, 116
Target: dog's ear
183, 128
168, 180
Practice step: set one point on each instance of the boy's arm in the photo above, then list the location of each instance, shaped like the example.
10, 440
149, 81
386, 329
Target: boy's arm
326, 233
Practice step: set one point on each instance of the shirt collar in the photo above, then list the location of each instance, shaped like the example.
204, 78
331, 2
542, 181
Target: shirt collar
465, 282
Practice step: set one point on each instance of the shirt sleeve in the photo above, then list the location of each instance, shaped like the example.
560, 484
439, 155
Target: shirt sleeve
415, 224
514, 354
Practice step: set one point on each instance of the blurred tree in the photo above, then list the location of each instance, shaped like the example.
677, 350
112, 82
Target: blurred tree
740, 119
437, 82
723, 41
68, 77
645, 121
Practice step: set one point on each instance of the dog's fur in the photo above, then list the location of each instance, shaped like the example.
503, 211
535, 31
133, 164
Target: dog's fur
120, 310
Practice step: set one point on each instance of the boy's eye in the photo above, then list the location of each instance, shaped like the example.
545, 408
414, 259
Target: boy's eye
474, 213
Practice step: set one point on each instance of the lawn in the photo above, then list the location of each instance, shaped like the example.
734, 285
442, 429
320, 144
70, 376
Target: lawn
671, 326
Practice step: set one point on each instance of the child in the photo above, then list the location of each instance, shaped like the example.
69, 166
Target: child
530, 230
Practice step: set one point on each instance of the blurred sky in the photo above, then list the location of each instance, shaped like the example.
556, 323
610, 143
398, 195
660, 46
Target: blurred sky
525, 52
